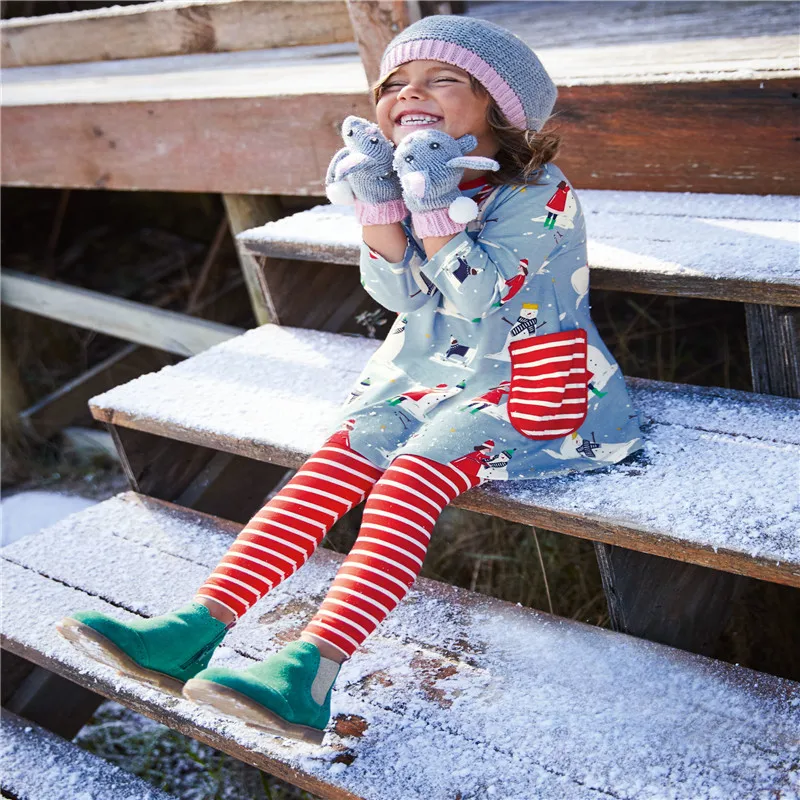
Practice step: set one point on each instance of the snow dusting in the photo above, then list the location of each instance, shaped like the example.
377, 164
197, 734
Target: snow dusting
719, 470
687, 234
38, 764
454, 693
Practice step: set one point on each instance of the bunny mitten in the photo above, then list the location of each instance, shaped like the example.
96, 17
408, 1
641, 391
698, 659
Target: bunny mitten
430, 164
362, 173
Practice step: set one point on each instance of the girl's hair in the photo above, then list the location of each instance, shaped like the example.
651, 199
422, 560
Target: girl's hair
522, 154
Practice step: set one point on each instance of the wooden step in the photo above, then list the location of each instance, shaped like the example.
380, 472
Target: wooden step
724, 247
710, 487
689, 114
38, 765
455, 695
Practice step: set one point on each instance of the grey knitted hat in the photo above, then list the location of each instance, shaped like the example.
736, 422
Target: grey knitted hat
508, 69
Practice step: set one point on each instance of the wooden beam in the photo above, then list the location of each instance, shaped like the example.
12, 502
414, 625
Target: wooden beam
136, 322
375, 23
624, 137
70, 401
244, 212
773, 335
159, 29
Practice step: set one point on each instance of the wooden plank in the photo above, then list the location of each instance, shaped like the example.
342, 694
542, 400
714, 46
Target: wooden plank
735, 248
666, 601
54, 702
773, 335
70, 401
137, 322
503, 695
245, 211
38, 765
693, 435
175, 28
156, 466
163, 132
375, 24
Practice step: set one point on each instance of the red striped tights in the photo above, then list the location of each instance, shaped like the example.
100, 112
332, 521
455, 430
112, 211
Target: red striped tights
403, 503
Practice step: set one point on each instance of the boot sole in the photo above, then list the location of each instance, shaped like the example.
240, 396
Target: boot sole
97, 647
240, 707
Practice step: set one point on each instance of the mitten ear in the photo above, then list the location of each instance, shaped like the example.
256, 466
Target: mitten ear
467, 143
473, 162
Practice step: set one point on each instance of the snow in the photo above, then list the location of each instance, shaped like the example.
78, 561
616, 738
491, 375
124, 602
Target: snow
29, 512
687, 234
713, 475
37, 763
501, 695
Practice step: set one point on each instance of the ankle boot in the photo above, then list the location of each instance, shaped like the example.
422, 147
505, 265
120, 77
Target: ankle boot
165, 650
288, 694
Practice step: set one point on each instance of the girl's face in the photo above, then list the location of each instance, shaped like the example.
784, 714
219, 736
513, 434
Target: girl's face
441, 92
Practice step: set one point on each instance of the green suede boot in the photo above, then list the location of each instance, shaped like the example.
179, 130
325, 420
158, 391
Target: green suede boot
288, 694
165, 650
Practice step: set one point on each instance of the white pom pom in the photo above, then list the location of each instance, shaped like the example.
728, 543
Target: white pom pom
463, 209
340, 193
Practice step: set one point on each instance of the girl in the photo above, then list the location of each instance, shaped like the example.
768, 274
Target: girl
493, 370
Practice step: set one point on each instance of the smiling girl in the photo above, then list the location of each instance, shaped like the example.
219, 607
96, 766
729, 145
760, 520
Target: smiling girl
492, 371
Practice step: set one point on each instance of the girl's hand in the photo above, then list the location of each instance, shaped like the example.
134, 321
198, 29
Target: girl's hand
361, 173
431, 164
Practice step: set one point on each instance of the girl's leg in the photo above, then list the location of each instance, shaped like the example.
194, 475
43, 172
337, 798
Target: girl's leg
287, 530
387, 556
171, 648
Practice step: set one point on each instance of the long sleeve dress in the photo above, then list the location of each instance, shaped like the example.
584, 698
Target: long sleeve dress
493, 363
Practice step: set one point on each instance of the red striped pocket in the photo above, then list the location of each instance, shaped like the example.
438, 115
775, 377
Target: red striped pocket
549, 384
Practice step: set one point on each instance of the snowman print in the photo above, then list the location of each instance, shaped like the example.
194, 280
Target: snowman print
527, 325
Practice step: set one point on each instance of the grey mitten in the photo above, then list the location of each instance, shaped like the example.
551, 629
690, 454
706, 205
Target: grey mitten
430, 164
362, 173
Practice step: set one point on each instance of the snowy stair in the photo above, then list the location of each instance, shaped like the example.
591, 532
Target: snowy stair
455, 695
722, 246
713, 486
38, 765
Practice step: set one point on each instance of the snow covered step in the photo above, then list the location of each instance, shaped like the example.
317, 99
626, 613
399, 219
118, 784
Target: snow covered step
455, 695
38, 765
721, 246
715, 484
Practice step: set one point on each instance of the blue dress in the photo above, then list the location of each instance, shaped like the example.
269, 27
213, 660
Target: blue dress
493, 363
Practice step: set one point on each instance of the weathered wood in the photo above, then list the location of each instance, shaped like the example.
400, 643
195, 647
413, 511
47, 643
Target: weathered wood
54, 702
246, 211
137, 322
567, 688
743, 140
231, 487
375, 23
651, 257
311, 295
158, 29
687, 429
667, 601
773, 335
39, 765
156, 466
69, 402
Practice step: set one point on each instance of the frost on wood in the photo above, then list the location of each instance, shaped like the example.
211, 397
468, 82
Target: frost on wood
452, 693
714, 471
687, 234
38, 764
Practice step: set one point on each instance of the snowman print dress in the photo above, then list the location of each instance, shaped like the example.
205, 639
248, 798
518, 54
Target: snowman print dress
493, 363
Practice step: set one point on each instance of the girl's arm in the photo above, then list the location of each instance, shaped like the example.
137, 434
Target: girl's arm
386, 257
514, 231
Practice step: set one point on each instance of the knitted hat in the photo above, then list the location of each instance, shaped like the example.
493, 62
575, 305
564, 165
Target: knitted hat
508, 69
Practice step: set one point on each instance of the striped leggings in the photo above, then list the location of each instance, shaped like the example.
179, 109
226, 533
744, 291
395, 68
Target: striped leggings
401, 509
